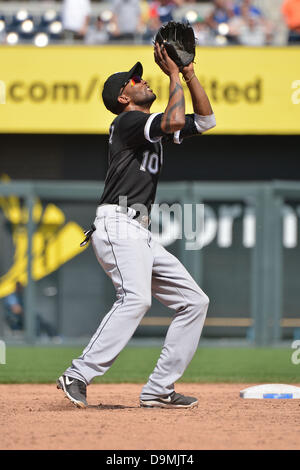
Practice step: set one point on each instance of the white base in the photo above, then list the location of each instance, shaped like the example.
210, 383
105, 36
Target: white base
271, 391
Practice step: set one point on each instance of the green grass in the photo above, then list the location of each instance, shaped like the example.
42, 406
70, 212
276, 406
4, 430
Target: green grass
253, 365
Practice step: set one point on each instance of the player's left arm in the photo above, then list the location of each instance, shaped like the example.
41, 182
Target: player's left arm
201, 121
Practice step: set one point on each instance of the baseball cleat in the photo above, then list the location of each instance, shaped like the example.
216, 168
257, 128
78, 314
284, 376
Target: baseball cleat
175, 400
74, 389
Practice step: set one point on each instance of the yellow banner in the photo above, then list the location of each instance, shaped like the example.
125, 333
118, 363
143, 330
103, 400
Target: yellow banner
58, 89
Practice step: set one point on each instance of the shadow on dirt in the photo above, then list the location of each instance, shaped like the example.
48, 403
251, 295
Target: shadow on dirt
112, 407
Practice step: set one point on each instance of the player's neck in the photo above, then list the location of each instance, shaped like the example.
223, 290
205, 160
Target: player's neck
136, 107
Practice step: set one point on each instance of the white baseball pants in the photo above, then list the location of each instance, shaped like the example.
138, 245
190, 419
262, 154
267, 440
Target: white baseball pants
140, 267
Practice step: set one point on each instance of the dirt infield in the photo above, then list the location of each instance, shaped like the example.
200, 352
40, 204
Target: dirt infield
39, 417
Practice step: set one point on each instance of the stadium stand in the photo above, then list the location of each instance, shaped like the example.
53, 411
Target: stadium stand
257, 22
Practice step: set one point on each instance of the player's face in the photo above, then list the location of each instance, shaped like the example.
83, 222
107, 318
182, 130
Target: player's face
139, 91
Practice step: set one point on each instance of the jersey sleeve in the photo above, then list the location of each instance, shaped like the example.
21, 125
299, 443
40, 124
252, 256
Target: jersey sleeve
188, 130
134, 128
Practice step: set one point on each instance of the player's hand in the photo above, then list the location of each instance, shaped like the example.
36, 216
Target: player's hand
188, 71
163, 60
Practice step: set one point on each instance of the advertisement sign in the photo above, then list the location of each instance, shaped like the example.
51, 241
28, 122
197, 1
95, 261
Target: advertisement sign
58, 89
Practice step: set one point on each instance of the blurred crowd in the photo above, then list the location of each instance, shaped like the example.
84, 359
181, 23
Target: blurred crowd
227, 22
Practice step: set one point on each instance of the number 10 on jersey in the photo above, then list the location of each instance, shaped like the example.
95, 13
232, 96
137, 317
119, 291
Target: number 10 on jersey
150, 162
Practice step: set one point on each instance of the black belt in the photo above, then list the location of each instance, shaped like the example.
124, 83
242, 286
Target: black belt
89, 233
125, 210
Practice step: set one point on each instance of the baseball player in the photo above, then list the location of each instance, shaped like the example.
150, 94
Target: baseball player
139, 266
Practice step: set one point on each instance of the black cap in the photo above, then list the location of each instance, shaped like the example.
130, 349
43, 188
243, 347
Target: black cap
113, 85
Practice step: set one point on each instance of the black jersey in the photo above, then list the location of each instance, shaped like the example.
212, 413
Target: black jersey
136, 156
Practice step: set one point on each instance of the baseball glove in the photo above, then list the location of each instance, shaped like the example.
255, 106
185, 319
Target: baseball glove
179, 41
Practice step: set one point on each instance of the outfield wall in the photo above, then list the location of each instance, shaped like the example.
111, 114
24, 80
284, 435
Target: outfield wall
248, 263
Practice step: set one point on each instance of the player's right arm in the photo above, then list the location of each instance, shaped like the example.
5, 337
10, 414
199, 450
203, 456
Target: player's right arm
204, 117
173, 119
201, 104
